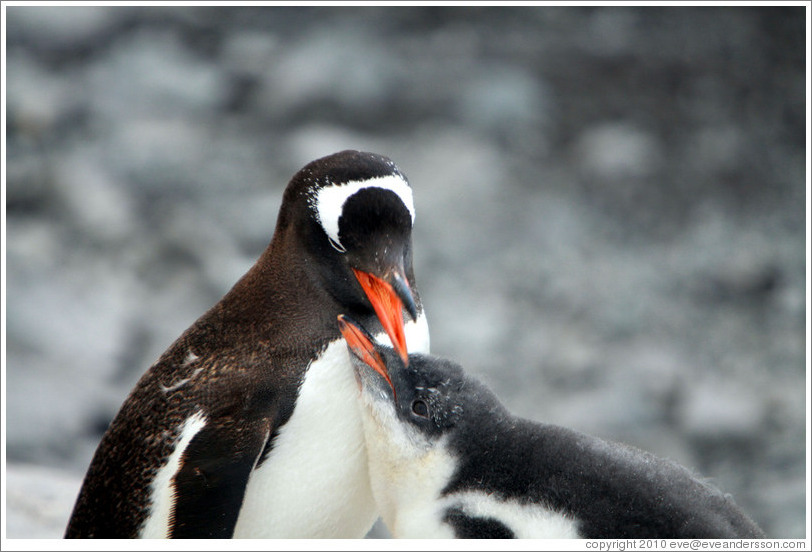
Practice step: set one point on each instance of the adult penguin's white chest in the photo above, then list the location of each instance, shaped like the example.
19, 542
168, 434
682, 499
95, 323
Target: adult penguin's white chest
315, 481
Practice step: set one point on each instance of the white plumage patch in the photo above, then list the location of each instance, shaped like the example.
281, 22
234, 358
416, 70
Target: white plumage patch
527, 521
191, 358
180, 383
329, 201
315, 481
156, 525
417, 335
407, 477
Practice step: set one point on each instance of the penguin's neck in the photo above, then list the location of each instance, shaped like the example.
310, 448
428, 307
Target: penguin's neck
407, 487
278, 292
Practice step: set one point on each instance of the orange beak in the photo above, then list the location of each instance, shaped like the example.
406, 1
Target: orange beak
388, 303
363, 348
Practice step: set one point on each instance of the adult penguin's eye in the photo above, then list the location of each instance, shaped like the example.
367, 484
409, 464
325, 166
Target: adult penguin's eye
420, 408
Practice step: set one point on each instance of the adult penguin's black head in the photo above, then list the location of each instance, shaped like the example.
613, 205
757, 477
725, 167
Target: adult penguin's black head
353, 214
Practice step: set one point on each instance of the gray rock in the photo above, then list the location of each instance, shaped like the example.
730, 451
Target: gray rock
39, 501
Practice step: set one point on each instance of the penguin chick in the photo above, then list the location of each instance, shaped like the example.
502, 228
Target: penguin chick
446, 459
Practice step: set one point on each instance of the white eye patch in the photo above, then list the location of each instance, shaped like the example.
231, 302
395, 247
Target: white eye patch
329, 201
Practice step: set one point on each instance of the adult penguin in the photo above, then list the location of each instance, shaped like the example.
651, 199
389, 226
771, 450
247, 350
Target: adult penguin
248, 426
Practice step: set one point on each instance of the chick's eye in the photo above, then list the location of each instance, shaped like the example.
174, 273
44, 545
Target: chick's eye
420, 408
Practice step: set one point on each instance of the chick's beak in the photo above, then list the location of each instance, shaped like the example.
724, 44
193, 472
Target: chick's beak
389, 296
361, 345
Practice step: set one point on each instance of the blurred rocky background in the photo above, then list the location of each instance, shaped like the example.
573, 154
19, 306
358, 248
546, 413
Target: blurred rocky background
610, 212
